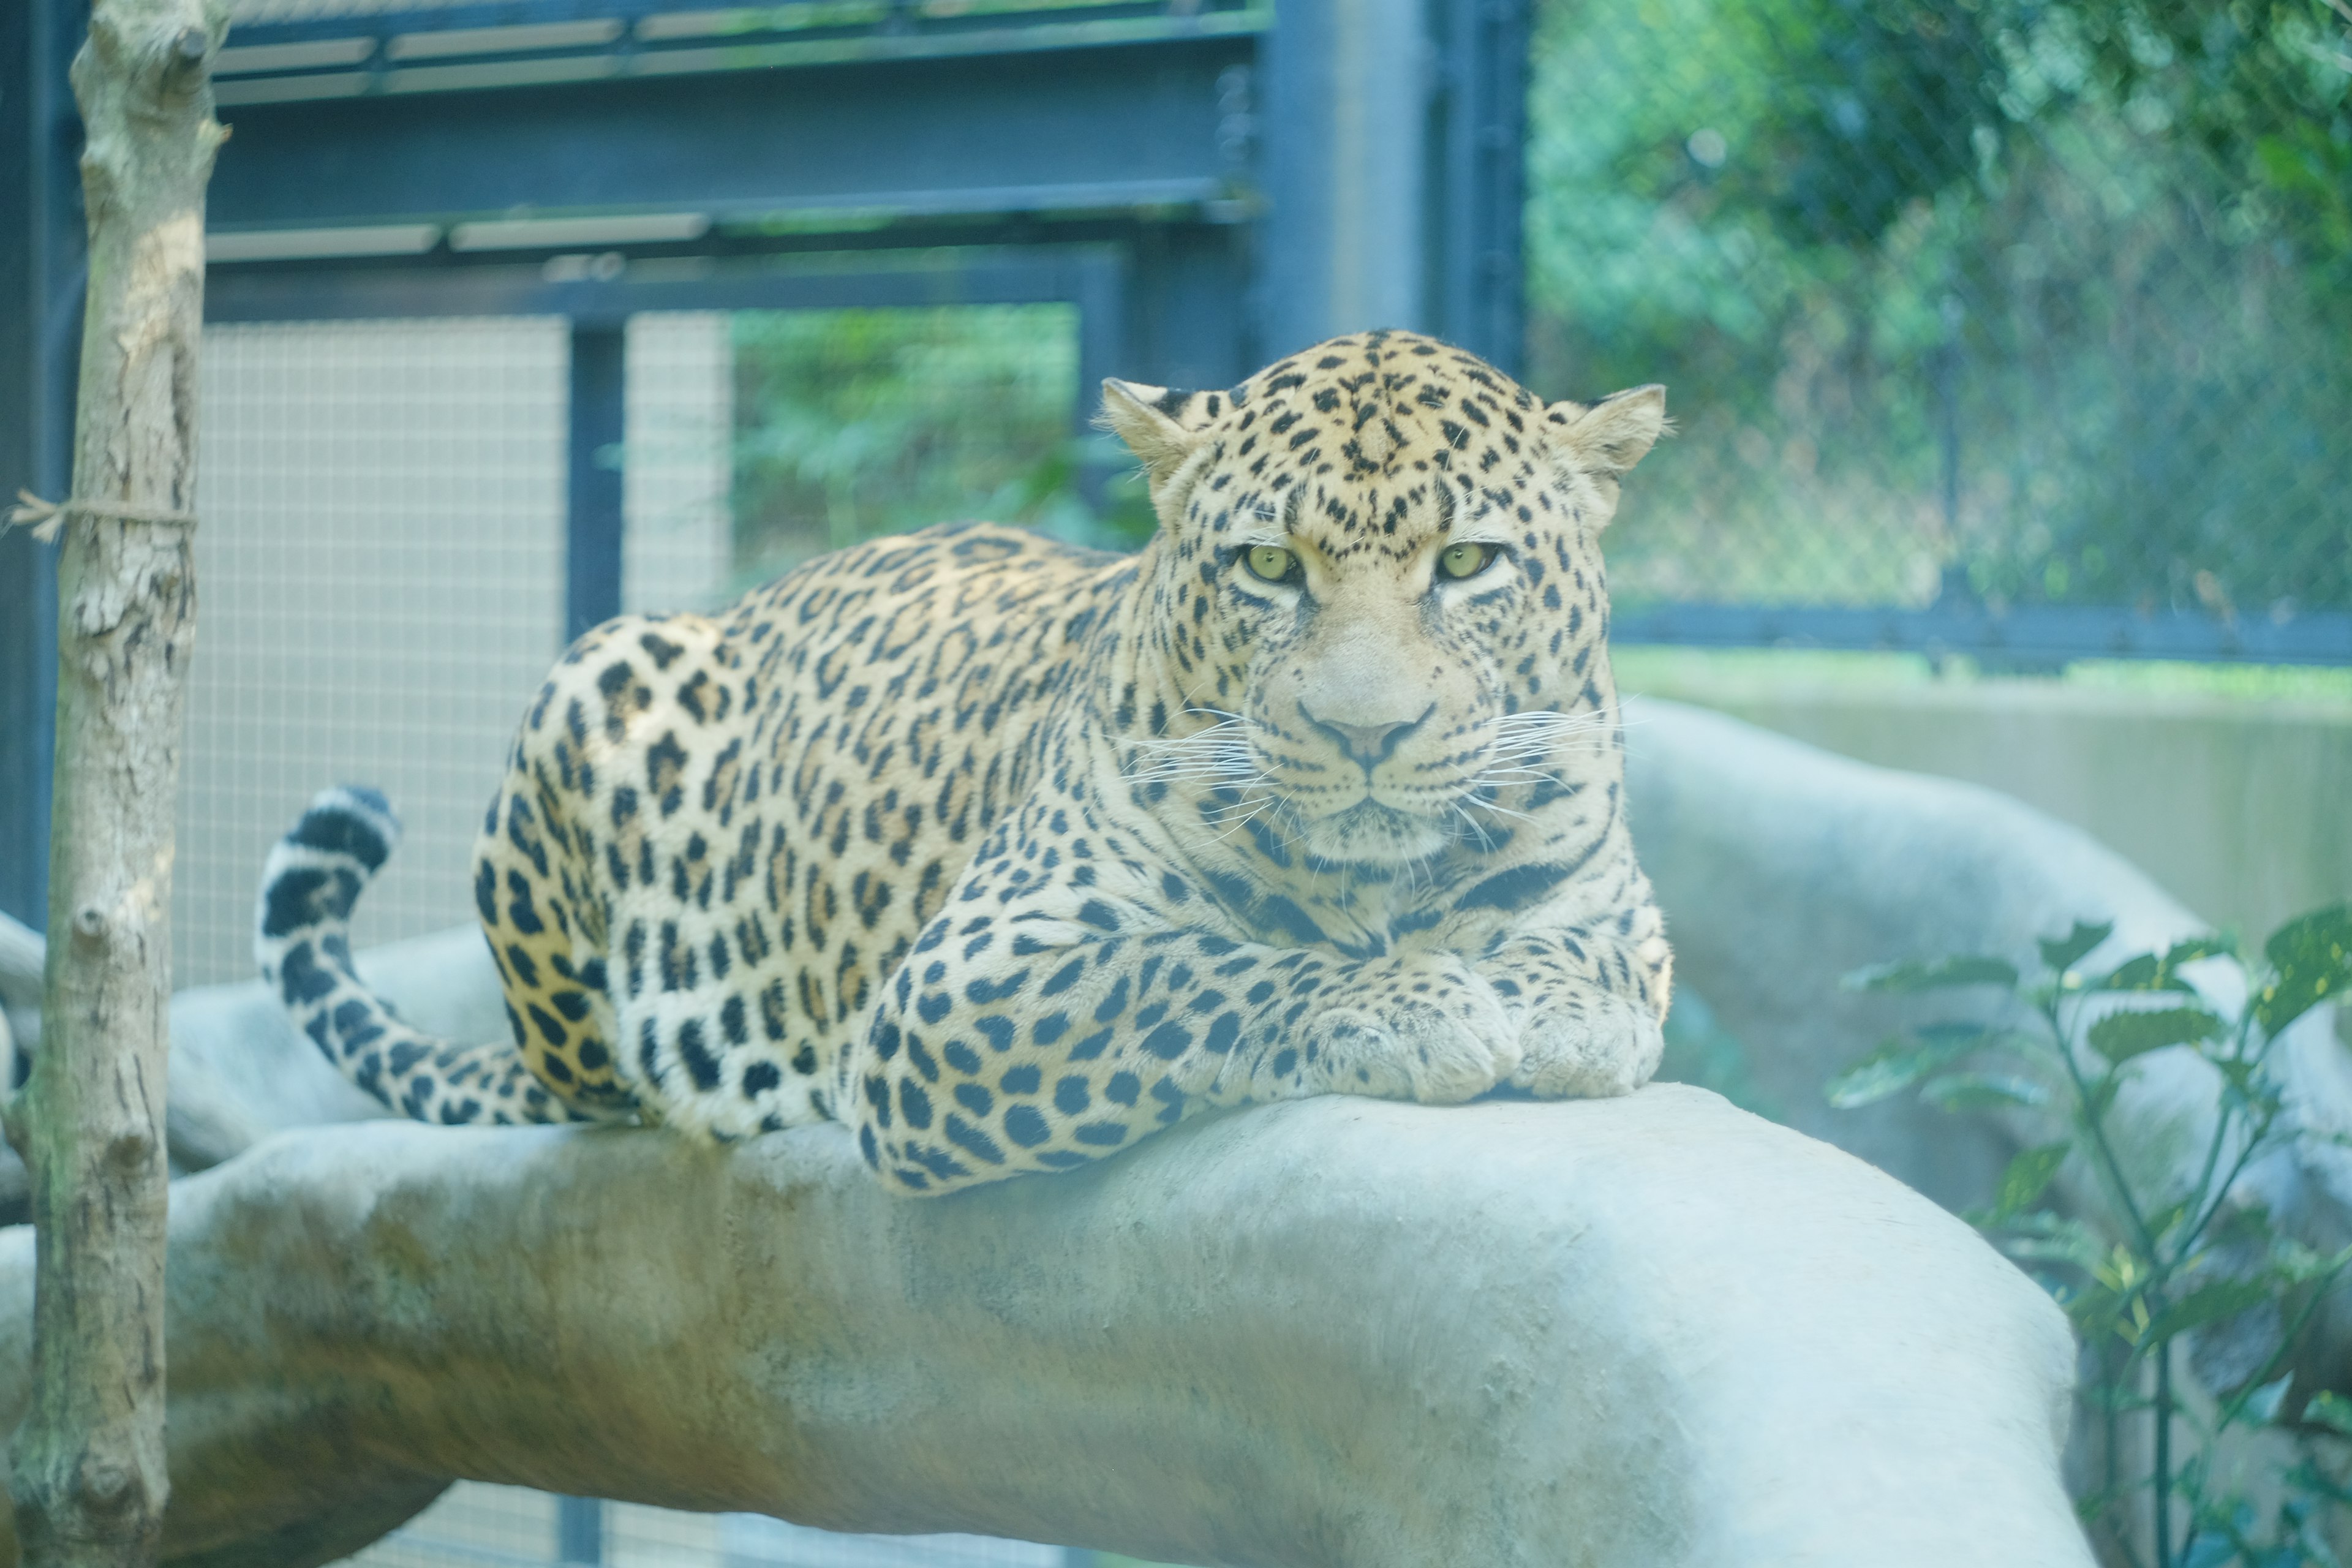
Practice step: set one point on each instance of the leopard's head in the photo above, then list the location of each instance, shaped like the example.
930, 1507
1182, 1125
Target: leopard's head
1376, 593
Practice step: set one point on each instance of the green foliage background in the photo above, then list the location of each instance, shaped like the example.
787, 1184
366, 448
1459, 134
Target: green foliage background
850, 423
2100, 252
2034, 300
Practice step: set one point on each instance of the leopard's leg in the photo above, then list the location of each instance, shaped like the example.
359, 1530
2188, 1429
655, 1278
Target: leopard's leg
1050, 1017
1588, 997
541, 896
1590, 1011
649, 741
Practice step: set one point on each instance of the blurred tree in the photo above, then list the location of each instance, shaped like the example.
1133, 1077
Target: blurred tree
2053, 293
851, 424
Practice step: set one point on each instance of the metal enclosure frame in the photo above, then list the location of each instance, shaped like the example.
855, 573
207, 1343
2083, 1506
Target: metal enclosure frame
1210, 182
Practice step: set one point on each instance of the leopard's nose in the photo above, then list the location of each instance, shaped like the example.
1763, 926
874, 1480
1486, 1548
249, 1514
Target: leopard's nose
1367, 743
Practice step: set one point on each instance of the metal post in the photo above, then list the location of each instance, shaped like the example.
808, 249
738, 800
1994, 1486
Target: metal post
41, 261
1478, 137
580, 1531
592, 517
1344, 86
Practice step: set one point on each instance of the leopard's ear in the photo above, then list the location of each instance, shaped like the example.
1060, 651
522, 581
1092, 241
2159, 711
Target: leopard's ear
1161, 427
1608, 437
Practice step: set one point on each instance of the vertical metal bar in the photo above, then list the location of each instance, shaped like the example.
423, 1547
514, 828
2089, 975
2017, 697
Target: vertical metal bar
592, 583
23, 564
1295, 81
1345, 173
1505, 136
1956, 592
580, 1531
1481, 118
1104, 348
41, 270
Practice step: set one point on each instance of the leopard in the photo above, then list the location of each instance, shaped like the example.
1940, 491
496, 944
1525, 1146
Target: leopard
1006, 853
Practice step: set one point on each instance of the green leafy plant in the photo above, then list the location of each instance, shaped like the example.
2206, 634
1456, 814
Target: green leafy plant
2157, 1249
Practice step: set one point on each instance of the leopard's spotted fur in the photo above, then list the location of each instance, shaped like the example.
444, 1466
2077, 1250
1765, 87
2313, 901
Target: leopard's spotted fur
1007, 853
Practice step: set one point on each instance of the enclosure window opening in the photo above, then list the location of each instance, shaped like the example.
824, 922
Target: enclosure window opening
853, 423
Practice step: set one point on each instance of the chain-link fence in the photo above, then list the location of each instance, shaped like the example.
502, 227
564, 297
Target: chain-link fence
2002, 303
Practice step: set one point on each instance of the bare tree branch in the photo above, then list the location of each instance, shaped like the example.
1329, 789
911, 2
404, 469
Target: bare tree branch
86, 1463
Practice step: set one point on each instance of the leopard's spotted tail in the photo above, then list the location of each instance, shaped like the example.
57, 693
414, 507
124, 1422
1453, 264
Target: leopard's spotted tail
303, 941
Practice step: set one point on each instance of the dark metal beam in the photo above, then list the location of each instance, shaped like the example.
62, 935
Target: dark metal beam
1081, 129
509, 43
609, 288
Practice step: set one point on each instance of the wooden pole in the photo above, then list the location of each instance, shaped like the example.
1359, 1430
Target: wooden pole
87, 1473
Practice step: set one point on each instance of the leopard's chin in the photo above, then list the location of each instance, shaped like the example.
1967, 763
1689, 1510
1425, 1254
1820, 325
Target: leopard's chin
1368, 833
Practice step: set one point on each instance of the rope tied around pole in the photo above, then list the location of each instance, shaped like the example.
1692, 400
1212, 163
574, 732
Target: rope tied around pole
42, 518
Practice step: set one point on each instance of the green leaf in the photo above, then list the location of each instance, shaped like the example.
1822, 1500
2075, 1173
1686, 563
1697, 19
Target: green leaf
2332, 1411
2206, 1304
1891, 1068
2189, 950
2150, 971
2055, 1238
2160, 1222
2292, 1264
2119, 1037
2096, 1103
1931, 975
1982, 1091
2311, 962
2262, 1404
2144, 973
2063, 953
1954, 1036
2028, 1178
1903, 1061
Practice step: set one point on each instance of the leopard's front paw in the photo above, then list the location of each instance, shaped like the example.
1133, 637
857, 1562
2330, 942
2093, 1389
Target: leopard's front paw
1441, 1044
1587, 1044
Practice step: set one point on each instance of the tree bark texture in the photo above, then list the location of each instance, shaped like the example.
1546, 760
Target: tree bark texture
88, 1462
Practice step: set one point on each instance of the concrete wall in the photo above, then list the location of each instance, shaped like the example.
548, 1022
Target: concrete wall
2242, 807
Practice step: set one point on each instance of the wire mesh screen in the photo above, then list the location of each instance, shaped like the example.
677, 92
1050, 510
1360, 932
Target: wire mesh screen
2025, 301
383, 564
510, 1527
382, 567
678, 546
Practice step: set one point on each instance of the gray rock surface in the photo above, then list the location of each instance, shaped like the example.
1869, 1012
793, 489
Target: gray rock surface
1648, 1330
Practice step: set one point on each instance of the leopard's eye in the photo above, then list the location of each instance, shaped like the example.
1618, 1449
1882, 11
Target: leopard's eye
1459, 561
1271, 562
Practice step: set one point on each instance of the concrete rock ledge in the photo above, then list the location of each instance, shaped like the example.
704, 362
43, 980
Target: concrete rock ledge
1338, 1332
